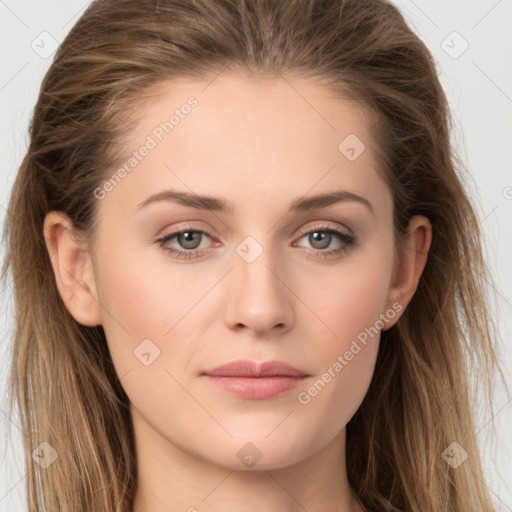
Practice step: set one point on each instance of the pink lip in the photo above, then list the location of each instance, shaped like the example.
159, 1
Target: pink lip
257, 381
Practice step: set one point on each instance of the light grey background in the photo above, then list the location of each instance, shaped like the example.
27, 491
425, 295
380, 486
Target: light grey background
478, 81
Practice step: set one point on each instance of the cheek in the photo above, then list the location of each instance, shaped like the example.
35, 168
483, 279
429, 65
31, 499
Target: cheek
137, 302
152, 309
331, 398
348, 297
350, 302
145, 296
344, 359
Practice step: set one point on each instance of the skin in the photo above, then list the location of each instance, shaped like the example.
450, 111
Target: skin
260, 144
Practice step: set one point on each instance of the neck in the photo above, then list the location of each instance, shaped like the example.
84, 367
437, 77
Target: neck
171, 479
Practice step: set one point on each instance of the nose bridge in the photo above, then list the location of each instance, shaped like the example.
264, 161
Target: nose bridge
259, 298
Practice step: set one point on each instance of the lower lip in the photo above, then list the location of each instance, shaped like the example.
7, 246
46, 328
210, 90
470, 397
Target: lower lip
256, 388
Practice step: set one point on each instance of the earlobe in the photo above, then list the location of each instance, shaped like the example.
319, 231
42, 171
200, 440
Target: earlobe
410, 265
73, 270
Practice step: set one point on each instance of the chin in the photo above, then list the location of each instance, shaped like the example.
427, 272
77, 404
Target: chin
251, 454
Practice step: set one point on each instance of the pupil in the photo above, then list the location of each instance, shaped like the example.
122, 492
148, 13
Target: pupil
187, 239
322, 237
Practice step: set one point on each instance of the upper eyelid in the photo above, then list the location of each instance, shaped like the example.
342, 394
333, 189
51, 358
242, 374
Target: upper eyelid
329, 227
303, 232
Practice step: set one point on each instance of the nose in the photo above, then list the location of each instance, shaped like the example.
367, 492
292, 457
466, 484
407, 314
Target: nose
260, 301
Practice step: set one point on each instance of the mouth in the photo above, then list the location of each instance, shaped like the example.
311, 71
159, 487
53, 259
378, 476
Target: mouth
256, 381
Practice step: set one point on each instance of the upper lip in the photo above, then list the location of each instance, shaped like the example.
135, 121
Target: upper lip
244, 368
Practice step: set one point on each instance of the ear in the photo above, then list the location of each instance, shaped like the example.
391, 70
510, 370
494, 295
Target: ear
73, 270
409, 266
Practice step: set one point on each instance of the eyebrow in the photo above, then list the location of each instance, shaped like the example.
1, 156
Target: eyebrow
220, 204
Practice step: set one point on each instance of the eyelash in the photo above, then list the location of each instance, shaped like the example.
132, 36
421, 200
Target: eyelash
348, 240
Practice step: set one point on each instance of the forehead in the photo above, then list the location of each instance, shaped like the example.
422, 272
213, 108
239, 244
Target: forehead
232, 102
270, 137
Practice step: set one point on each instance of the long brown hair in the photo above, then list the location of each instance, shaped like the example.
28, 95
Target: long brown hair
419, 401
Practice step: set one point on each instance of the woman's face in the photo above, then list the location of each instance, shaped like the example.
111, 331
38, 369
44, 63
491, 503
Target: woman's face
217, 243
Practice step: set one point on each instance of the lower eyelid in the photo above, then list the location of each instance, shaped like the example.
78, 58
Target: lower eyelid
344, 238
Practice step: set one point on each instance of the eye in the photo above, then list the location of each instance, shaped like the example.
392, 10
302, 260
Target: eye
189, 240
321, 238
